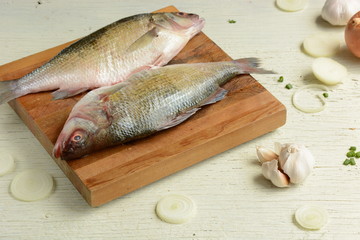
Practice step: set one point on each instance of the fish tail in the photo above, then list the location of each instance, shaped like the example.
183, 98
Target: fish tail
7, 91
251, 65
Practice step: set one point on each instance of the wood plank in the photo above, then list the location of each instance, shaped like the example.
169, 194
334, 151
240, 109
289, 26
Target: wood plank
247, 112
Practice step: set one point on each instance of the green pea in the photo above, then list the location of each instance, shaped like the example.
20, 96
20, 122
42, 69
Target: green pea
347, 162
357, 155
352, 148
352, 161
350, 154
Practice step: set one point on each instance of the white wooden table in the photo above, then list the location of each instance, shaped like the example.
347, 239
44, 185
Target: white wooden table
234, 200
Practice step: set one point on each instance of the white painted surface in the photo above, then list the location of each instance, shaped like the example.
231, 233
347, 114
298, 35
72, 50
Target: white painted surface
234, 201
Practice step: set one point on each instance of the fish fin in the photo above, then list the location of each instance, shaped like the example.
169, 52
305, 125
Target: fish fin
144, 40
250, 65
154, 67
157, 63
65, 93
146, 67
179, 119
218, 95
215, 97
7, 92
116, 87
102, 93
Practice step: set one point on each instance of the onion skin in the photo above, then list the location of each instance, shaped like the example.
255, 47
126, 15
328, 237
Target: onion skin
352, 34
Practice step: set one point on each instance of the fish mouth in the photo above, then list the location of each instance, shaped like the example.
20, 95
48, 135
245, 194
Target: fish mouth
64, 148
199, 24
63, 153
196, 27
59, 146
57, 150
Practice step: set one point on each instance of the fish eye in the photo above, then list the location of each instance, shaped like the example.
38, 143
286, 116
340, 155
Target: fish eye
181, 13
76, 137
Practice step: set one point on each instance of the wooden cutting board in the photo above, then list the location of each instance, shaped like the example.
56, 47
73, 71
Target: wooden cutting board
247, 112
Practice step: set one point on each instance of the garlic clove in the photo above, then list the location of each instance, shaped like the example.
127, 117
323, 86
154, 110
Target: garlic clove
264, 154
285, 151
267, 167
299, 163
279, 179
338, 12
270, 170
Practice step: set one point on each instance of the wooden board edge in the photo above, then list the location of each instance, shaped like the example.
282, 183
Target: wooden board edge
170, 8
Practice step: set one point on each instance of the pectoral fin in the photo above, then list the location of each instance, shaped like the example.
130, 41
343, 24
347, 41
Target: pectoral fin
179, 119
215, 97
65, 93
144, 40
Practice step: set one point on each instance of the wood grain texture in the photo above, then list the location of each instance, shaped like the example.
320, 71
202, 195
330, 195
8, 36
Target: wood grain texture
247, 112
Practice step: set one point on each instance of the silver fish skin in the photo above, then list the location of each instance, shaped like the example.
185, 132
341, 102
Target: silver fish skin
149, 101
109, 55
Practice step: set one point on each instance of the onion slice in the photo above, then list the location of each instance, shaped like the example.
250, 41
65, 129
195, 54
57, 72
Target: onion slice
311, 217
329, 71
7, 163
175, 209
31, 185
321, 45
295, 98
291, 5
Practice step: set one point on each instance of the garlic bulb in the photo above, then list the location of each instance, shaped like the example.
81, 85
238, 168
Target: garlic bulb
296, 161
338, 12
265, 154
293, 163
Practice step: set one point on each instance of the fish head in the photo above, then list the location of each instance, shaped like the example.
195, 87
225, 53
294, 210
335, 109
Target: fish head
186, 23
75, 139
85, 130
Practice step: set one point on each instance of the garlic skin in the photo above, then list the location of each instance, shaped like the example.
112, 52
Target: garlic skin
277, 147
338, 12
265, 154
296, 161
270, 170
